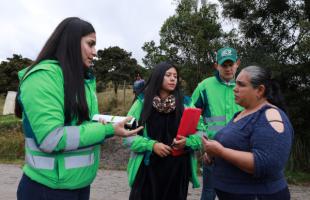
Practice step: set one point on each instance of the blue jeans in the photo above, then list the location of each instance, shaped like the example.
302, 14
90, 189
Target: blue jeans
208, 192
31, 190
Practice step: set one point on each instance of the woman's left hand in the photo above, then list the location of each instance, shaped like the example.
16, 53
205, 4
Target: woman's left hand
119, 128
179, 142
212, 147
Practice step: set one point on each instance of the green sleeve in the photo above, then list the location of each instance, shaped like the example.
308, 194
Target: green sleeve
197, 99
136, 109
138, 143
42, 97
142, 144
194, 140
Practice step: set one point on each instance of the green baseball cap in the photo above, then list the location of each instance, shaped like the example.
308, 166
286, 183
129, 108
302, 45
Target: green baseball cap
226, 53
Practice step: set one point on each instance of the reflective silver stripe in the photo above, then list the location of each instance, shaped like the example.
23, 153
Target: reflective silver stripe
73, 138
129, 140
40, 162
31, 144
215, 128
79, 161
215, 119
51, 141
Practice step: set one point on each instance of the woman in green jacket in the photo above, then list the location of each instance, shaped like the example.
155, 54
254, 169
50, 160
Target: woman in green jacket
153, 172
57, 100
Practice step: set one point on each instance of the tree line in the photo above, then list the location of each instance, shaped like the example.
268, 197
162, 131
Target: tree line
269, 33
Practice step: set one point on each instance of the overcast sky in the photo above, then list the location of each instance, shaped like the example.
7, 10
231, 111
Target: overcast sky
27, 24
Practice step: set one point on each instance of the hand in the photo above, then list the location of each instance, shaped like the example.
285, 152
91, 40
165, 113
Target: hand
179, 143
101, 120
207, 159
161, 149
120, 130
212, 147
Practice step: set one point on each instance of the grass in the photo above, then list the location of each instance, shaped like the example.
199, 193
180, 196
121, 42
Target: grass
11, 145
112, 104
298, 178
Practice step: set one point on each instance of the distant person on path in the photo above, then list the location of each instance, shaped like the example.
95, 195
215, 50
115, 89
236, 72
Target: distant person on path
215, 97
138, 85
153, 173
56, 100
252, 150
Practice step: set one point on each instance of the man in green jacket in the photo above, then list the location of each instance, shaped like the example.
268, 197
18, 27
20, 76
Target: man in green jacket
215, 97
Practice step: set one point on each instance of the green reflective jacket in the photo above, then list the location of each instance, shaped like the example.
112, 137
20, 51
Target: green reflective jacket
216, 99
57, 155
142, 146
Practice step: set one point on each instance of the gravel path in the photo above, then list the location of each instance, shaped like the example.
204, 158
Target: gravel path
109, 184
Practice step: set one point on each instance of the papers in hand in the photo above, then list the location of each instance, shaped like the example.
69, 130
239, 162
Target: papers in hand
132, 124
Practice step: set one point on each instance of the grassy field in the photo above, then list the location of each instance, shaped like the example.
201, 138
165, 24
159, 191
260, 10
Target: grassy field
110, 103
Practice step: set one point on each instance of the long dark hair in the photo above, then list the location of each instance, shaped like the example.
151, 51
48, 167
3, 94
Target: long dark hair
64, 45
152, 89
262, 76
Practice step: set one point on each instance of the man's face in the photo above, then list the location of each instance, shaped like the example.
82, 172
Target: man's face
227, 70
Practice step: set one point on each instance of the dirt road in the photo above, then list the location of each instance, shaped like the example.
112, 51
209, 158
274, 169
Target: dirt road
109, 184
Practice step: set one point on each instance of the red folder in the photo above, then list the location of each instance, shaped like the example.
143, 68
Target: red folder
188, 125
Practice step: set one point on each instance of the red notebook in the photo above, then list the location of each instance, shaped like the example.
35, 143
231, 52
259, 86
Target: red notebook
188, 125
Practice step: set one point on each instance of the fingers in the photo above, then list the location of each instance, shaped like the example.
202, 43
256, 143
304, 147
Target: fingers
166, 150
162, 150
207, 160
179, 143
127, 119
128, 133
204, 141
180, 137
101, 120
173, 142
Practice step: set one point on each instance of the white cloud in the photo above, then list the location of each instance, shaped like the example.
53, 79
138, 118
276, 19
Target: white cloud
26, 24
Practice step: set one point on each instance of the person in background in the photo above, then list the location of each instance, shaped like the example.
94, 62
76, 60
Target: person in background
153, 173
56, 100
252, 150
215, 97
138, 85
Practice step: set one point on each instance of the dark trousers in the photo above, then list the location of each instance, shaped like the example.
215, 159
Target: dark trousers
281, 195
31, 190
208, 192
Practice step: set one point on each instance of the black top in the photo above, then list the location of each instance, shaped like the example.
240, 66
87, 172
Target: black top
164, 178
